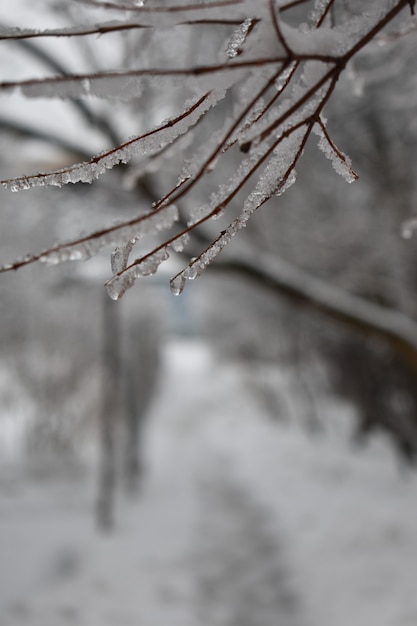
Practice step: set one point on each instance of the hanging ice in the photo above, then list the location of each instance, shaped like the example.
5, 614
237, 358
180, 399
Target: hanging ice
121, 282
177, 285
122, 236
120, 256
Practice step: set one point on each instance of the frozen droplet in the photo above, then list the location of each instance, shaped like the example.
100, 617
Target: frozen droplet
113, 291
177, 284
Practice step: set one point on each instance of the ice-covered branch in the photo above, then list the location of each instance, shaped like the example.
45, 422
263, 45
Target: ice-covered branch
104, 28
89, 245
130, 84
352, 310
281, 77
149, 142
341, 162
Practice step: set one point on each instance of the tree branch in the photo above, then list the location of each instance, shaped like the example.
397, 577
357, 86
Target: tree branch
361, 315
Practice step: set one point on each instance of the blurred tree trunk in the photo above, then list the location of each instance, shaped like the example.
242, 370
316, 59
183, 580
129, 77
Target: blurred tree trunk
109, 416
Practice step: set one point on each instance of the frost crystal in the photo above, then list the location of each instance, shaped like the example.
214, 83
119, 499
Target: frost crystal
238, 38
283, 77
320, 6
341, 162
179, 244
18, 185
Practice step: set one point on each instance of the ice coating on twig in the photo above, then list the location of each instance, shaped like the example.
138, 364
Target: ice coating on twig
276, 178
120, 283
8, 32
341, 163
149, 142
179, 243
128, 84
118, 235
120, 256
265, 130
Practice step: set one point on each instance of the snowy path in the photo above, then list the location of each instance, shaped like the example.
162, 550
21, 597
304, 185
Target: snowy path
240, 522
194, 549
240, 571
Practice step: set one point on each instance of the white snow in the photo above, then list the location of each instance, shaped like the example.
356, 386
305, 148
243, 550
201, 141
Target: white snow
332, 526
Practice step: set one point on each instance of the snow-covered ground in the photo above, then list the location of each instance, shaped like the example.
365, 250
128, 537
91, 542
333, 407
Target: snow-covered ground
241, 521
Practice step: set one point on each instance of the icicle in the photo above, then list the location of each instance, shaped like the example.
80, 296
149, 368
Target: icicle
177, 285
120, 283
120, 256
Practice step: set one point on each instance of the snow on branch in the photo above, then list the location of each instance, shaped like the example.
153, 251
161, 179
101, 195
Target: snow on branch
8, 33
149, 142
281, 78
341, 162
